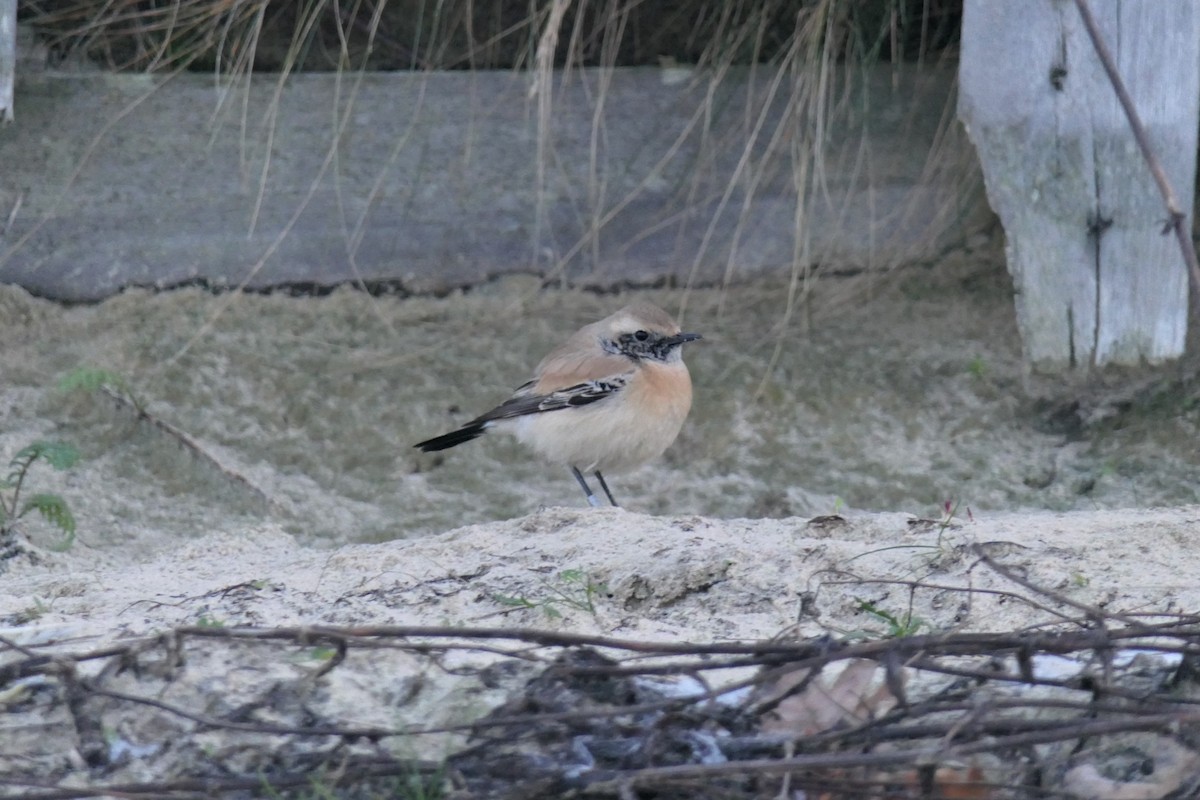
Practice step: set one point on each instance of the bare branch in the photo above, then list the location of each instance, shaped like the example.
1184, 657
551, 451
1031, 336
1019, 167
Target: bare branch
1175, 214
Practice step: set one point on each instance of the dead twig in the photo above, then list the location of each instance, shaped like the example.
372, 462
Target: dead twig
208, 787
188, 443
590, 706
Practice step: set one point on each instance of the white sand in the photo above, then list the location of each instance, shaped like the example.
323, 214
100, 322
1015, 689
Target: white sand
686, 578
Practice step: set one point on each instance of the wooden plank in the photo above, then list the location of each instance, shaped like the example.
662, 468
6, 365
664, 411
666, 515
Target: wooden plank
1097, 283
8, 57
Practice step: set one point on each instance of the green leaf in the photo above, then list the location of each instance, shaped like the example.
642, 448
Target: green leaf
513, 602
322, 653
53, 508
55, 511
89, 379
59, 455
93, 379
897, 627
572, 576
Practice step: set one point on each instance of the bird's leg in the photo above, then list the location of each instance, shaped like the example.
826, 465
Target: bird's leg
592, 499
604, 486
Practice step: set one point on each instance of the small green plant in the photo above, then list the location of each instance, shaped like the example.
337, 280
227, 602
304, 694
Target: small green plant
574, 588
948, 520
416, 784
977, 367
320, 653
520, 602
31, 613
52, 507
949, 512
897, 626
95, 379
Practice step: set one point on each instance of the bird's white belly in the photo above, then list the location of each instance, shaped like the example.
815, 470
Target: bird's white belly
605, 437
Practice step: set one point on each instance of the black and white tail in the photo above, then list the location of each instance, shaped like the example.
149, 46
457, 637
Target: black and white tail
466, 433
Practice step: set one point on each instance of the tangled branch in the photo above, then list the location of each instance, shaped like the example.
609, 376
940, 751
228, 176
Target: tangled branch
1021, 714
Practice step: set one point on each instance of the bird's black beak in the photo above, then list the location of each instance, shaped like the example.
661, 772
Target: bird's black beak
680, 338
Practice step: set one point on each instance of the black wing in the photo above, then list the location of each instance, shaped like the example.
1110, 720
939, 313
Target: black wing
581, 394
522, 404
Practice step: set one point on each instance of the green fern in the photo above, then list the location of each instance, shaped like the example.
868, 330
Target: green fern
59, 455
55, 511
53, 508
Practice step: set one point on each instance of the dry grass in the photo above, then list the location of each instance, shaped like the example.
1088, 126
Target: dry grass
270, 35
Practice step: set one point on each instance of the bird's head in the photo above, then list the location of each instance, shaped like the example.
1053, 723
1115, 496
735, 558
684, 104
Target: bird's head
643, 331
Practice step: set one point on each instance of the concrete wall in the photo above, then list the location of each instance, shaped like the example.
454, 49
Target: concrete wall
431, 181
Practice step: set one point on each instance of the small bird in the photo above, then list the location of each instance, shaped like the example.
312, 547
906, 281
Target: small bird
609, 399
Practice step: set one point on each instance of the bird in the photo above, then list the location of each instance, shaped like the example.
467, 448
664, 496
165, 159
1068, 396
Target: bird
611, 398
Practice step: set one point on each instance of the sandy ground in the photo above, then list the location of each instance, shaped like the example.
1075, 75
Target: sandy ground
651, 578
673, 577
878, 402
892, 396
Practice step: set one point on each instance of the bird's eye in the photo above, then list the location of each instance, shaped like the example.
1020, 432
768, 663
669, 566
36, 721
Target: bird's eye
641, 336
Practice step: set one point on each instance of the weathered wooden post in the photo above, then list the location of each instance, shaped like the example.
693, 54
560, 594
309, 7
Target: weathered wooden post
1097, 281
8, 57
